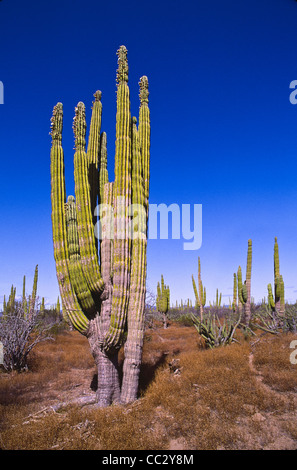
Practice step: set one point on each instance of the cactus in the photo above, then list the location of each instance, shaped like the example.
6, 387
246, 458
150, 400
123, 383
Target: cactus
214, 331
234, 304
102, 288
200, 293
163, 300
34, 292
218, 300
244, 290
279, 287
24, 298
58, 306
276, 302
239, 290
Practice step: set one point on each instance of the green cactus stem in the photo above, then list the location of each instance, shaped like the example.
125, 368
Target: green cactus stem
163, 300
42, 307
244, 290
276, 302
34, 292
102, 285
200, 293
234, 304
279, 287
271, 303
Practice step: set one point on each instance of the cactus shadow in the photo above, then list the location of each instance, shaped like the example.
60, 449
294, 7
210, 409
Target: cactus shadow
148, 371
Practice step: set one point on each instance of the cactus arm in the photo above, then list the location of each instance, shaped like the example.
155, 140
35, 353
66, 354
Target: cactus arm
122, 200
69, 300
103, 172
76, 274
144, 136
88, 251
239, 284
271, 302
93, 150
195, 292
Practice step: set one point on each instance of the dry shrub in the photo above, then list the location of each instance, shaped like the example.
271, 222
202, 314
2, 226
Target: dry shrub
204, 399
272, 358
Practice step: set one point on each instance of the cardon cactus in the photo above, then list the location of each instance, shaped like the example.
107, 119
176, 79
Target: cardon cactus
200, 293
279, 287
277, 302
163, 300
234, 303
102, 285
244, 290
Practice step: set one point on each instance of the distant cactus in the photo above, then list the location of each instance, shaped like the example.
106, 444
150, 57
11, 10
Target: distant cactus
279, 286
218, 300
24, 298
103, 294
244, 290
215, 331
163, 300
42, 306
58, 306
234, 304
276, 300
34, 292
200, 293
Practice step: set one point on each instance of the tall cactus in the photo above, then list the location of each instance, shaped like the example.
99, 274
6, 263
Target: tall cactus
279, 287
200, 293
34, 292
234, 303
163, 300
102, 286
244, 290
276, 302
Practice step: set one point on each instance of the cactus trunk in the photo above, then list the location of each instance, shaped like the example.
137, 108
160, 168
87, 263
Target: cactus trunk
103, 295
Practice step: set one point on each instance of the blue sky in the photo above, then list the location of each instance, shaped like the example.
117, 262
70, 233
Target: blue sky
223, 131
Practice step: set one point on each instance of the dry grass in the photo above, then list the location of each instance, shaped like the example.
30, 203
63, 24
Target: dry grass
241, 396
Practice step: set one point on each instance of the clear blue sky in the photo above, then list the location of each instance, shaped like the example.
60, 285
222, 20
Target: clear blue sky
224, 133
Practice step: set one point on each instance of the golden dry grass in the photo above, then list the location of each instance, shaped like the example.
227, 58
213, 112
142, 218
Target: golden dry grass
241, 396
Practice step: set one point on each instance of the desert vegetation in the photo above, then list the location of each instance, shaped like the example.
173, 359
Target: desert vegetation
240, 396
120, 368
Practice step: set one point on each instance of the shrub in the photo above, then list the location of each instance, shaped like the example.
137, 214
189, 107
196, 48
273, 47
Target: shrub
20, 332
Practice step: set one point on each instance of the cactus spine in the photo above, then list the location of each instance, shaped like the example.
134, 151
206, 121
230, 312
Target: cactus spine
102, 287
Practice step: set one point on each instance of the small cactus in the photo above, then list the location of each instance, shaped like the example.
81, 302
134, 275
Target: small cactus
163, 300
200, 293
